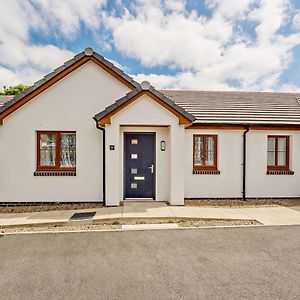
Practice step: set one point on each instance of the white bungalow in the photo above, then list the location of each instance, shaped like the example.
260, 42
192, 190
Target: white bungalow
88, 132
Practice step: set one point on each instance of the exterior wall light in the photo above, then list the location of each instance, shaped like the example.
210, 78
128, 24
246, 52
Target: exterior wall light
162, 145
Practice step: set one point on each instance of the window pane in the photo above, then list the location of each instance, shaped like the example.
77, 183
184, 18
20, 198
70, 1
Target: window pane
281, 144
47, 149
282, 151
68, 150
271, 151
281, 158
271, 158
198, 151
271, 144
210, 151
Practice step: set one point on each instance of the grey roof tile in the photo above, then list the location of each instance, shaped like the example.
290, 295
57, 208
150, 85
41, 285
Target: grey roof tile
4, 99
229, 107
70, 62
127, 77
59, 69
40, 82
49, 76
117, 70
79, 55
111, 108
108, 63
98, 56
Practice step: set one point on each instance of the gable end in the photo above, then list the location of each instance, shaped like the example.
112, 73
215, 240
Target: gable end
59, 73
104, 117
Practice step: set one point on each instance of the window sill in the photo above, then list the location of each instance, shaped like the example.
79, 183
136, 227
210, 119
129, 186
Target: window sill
206, 172
55, 173
280, 172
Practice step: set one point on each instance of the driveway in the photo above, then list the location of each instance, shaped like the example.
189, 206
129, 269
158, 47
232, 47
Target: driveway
228, 263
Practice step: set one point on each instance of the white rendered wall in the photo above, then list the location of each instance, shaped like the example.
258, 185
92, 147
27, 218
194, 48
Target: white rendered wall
228, 184
259, 184
142, 113
177, 163
70, 104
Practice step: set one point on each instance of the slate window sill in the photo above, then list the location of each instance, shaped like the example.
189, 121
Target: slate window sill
206, 172
280, 172
55, 173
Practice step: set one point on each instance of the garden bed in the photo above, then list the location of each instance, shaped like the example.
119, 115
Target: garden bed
24, 208
243, 203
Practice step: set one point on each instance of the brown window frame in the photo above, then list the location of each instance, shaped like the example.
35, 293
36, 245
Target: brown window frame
287, 153
57, 154
205, 167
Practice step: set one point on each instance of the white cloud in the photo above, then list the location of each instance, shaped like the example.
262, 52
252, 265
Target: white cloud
270, 16
208, 52
175, 5
296, 20
25, 62
66, 15
230, 8
174, 39
204, 52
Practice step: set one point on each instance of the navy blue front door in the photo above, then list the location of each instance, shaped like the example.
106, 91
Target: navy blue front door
139, 165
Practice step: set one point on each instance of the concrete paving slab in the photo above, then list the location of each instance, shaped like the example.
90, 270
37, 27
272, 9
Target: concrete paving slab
297, 208
108, 213
143, 209
273, 215
160, 212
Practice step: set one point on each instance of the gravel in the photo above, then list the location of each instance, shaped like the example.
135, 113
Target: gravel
242, 203
24, 208
88, 227
113, 225
205, 223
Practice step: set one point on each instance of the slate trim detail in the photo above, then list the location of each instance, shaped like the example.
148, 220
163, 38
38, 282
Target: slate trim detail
54, 173
206, 172
280, 172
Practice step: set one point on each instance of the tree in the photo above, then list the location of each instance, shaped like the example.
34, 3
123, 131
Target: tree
14, 90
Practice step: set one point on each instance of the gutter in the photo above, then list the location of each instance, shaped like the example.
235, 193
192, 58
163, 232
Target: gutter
103, 157
244, 160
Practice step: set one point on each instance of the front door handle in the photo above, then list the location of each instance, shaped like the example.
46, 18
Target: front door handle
151, 168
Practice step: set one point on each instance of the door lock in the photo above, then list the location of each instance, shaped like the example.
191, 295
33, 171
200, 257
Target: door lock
151, 168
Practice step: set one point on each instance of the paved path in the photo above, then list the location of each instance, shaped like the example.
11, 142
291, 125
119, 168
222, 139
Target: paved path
269, 215
229, 263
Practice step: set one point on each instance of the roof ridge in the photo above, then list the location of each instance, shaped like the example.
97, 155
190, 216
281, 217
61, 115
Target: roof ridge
229, 91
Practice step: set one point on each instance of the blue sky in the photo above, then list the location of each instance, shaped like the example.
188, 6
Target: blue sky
175, 44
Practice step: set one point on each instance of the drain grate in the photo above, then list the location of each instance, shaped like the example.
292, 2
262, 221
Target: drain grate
83, 216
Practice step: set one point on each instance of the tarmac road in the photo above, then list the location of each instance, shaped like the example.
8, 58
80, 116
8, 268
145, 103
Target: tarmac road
219, 263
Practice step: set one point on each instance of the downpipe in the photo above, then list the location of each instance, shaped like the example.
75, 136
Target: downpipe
103, 158
244, 161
